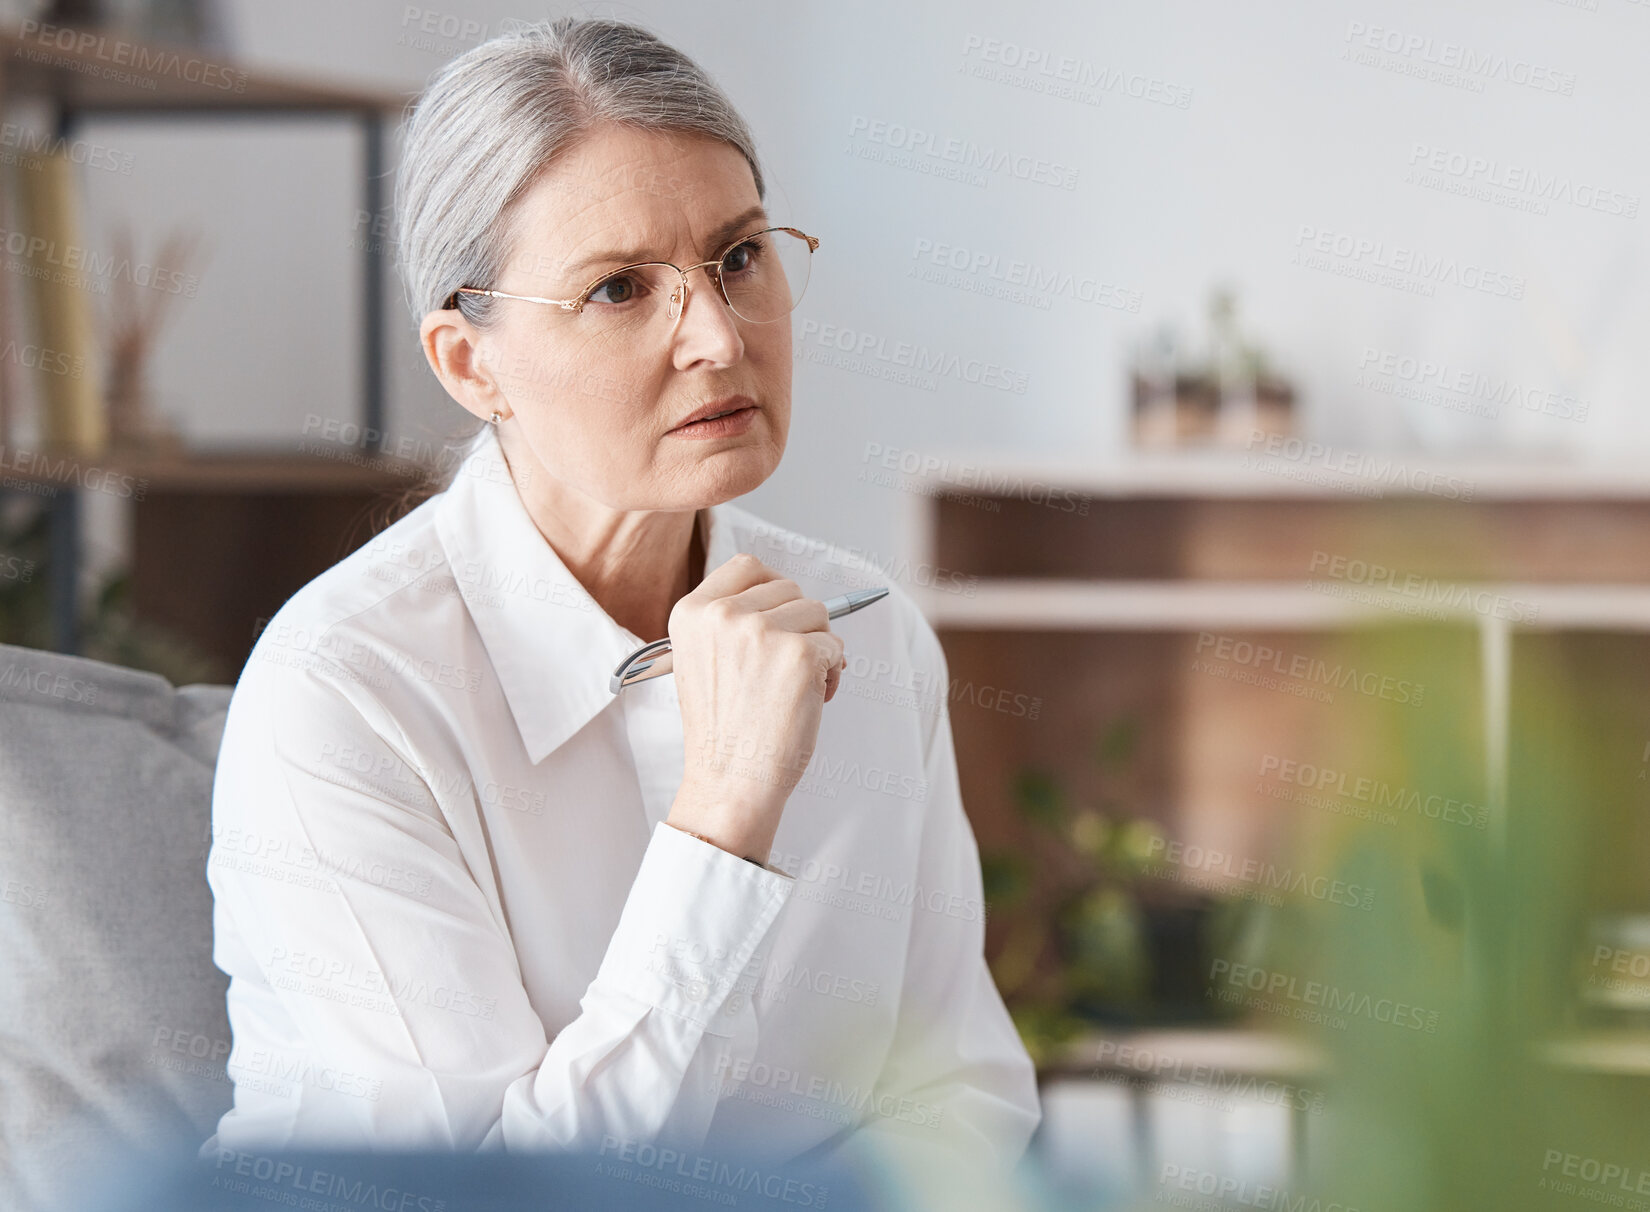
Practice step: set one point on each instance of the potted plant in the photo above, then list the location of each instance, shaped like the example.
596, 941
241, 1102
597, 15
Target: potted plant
1091, 932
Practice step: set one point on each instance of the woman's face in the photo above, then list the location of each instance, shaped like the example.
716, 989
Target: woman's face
599, 417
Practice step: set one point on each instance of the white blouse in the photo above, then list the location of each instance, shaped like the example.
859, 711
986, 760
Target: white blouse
453, 917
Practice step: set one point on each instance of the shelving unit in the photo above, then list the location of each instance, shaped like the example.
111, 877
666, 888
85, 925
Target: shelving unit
1099, 612
111, 77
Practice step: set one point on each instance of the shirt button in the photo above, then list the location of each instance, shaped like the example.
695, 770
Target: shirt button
695, 991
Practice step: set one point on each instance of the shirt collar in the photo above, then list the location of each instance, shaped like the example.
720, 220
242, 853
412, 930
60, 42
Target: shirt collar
551, 645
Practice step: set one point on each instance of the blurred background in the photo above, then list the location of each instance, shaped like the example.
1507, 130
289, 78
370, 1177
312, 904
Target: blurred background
1252, 395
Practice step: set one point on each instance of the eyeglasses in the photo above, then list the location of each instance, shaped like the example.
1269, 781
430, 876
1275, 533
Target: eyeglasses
761, 277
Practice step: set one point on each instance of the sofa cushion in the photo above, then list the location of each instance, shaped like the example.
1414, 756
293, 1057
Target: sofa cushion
113, 1033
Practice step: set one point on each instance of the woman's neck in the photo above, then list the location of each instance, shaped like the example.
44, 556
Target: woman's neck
636, 564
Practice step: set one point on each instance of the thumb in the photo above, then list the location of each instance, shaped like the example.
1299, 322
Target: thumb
833, 676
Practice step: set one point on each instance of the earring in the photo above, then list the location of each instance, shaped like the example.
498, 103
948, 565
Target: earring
496, 418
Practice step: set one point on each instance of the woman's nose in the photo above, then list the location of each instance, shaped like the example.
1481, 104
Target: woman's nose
678, 296
711, 297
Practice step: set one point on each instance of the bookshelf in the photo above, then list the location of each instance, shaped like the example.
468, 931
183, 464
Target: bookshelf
80, 74
1098, 611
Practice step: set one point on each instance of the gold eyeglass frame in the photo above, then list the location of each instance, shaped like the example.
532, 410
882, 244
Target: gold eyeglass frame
678, 297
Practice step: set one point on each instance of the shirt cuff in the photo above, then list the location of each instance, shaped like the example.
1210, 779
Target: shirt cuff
694, 919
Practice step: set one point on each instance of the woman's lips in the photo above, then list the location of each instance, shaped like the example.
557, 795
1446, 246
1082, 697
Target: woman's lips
730, 425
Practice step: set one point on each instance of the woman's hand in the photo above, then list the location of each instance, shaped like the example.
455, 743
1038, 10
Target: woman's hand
754, 663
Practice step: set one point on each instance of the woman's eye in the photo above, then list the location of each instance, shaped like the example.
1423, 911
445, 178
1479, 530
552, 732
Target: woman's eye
741, 258
620, 288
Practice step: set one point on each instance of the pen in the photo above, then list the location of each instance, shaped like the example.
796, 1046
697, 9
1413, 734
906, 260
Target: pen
653, 660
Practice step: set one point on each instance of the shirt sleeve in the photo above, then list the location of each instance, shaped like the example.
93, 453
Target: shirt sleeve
368, 946
958, 1087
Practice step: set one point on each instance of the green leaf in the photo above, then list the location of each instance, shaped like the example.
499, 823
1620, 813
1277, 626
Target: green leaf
1116, 745
1039, 798
1006, 876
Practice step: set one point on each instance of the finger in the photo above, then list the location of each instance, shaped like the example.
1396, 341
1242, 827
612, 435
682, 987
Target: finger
834, 678
767, 595
828, 649
734, 575
801, 614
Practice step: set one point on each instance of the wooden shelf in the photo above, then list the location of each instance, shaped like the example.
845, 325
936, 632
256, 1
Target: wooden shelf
1046, 604
1245, 1051
1620, 1052
1220, 474
90, 70
236, 472
275, 521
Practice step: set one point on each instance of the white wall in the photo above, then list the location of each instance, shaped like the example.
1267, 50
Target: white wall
1283, 132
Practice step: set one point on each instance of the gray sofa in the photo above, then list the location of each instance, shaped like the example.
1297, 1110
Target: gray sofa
113, 1036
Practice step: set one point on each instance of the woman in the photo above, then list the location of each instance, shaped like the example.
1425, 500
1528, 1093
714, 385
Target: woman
469, 897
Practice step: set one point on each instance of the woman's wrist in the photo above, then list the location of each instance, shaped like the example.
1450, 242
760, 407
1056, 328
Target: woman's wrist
760, 862
723, 828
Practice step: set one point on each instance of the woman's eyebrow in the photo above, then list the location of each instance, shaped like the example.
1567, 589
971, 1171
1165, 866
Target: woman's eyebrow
718, 239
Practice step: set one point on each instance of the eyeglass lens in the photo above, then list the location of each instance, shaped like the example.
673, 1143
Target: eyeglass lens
763, 277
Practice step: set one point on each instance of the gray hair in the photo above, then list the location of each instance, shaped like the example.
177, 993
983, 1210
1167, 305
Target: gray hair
491, 120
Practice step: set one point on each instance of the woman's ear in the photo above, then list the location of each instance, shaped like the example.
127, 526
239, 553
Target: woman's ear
456, 350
